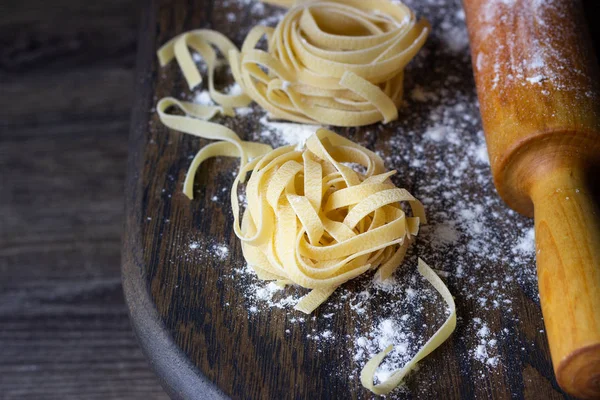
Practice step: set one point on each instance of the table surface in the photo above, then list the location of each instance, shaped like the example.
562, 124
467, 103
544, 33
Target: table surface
66, 78
195, 307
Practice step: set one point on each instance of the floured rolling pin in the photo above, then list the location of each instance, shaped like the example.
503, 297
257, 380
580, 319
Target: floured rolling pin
537, 83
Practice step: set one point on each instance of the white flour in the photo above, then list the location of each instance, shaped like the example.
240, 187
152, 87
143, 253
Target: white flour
284, 133
542, 59
203, 98
220, 250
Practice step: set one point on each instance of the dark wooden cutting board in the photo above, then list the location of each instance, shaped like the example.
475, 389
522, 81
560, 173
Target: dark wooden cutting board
186, 306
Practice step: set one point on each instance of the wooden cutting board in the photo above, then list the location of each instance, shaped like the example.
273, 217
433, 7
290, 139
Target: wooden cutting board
192, 308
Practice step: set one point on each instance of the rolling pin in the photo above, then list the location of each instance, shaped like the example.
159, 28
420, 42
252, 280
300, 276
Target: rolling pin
537, 83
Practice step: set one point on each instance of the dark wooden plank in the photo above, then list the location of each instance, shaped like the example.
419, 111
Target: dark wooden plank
36, 37
66, 76
89, 95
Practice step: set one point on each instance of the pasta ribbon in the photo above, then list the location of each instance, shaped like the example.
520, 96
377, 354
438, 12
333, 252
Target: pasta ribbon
334, 62
194, 123
439, 337
314, 221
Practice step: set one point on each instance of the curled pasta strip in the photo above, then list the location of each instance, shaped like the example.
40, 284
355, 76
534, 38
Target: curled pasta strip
202, 41
194, 123
314, 221
335, 62
439, 337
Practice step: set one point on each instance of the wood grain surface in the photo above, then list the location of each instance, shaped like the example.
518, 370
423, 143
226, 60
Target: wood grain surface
66, 79
193, 321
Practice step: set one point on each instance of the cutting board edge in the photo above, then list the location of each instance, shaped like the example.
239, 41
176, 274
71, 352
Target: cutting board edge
177, 374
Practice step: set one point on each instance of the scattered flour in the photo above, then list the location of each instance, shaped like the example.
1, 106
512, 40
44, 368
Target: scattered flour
435, 133
444, 235
388, 332
199, 248
243, 111
234, 89
203, 98
481, 154
486, 350
220, 250
284, 133
526, 243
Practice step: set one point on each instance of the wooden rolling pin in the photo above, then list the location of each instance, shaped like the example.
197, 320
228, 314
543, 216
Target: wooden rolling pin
537, 82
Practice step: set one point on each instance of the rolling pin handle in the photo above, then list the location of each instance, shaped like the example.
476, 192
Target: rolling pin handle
538, 85
567, 230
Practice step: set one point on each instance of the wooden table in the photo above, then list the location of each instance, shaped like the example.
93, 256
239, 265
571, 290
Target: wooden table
66, 78
193, 322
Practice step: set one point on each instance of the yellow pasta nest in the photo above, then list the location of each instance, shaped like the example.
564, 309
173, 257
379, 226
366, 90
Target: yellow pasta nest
314, 221
336, 62
311, 219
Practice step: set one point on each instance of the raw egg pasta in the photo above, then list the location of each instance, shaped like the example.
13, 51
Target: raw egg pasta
313, 221
439, 337
311, 218
336, 62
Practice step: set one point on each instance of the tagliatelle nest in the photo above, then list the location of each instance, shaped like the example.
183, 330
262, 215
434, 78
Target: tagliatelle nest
336, 62
314, 221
